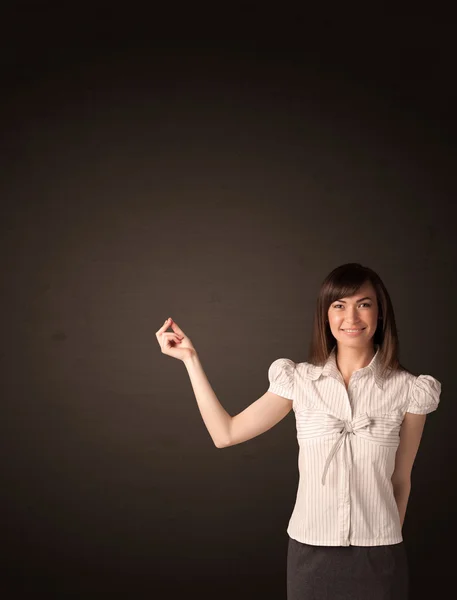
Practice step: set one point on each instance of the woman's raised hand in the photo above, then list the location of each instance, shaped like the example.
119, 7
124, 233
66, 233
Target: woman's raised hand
176, 343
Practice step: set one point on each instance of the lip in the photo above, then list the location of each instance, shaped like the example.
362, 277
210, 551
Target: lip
354, 333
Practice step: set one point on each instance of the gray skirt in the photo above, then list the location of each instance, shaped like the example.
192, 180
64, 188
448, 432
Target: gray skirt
347, 572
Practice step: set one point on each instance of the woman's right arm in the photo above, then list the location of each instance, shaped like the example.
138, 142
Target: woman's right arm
258, 417
214, 415
224, 429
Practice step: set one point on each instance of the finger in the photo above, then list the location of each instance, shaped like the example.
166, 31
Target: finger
164, 327
171, 343
176, 328
167, 337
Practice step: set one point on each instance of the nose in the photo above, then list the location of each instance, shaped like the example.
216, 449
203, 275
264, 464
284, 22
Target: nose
352, 317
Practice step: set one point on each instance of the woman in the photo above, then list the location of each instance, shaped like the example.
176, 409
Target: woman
359, 419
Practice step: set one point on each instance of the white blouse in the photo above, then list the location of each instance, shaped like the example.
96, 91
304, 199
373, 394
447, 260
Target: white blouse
347, 444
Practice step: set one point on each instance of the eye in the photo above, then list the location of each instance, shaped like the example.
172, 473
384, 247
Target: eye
361, 304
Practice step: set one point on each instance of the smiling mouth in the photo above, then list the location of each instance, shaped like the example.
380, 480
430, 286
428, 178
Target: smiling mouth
361, 329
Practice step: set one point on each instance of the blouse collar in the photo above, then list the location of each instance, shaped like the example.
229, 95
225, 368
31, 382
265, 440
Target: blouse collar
330, 368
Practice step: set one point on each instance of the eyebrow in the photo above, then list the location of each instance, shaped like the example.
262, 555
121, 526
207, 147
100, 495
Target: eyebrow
359, 300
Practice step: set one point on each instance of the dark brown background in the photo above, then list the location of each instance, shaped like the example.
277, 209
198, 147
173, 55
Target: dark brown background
216, 181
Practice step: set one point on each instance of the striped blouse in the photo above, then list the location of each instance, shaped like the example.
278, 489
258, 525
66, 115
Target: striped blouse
347, 441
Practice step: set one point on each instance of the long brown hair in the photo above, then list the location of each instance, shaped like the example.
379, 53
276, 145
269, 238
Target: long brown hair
344, 281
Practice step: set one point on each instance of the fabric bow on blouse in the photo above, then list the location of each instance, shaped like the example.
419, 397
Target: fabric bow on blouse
349, 427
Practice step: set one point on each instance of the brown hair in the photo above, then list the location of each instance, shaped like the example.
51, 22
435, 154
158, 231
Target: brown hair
344, 281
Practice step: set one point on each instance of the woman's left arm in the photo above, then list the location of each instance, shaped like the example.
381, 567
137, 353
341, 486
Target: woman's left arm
411, 431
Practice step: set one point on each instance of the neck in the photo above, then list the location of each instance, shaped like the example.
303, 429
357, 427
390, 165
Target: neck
350, 359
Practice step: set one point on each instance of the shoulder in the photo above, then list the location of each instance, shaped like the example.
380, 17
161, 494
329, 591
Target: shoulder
281, 363
309, 371
424, 393
281, 375
280, 368
286, 370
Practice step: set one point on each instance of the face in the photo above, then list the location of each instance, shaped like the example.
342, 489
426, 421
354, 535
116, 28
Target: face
356, 312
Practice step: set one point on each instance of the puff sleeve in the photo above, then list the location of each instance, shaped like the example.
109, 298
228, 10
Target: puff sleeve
424, 395
281, 375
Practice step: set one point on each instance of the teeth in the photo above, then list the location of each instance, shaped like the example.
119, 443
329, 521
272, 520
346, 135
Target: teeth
352, 330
